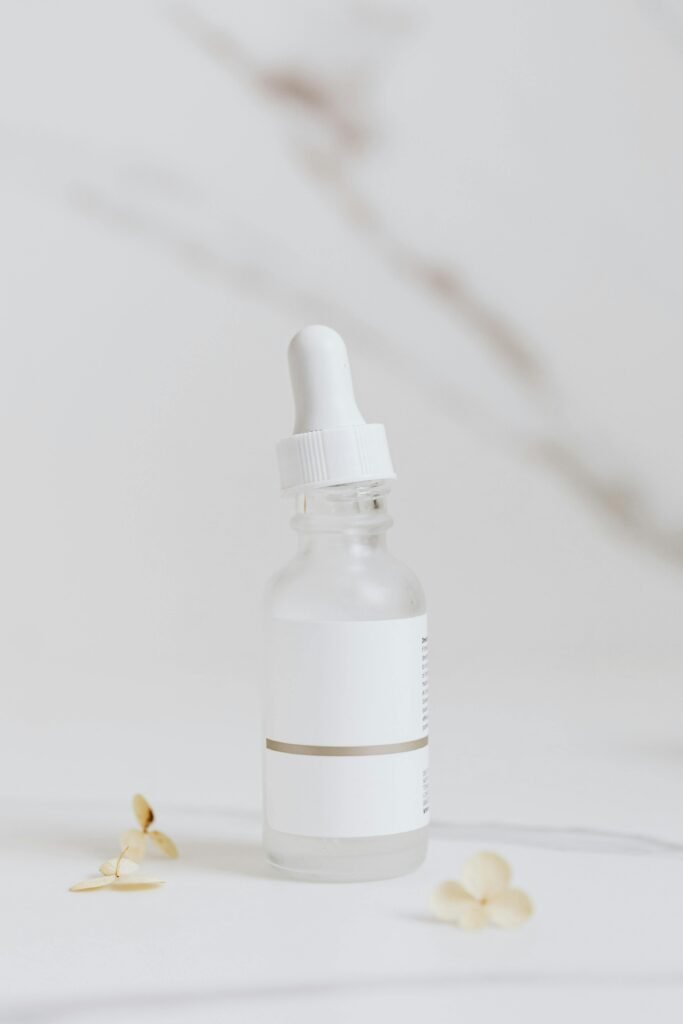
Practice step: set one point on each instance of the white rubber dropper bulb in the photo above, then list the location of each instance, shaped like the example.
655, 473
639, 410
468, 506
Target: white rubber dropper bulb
321, 381
331, 444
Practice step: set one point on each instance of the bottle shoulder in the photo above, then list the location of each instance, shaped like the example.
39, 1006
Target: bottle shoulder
376, 586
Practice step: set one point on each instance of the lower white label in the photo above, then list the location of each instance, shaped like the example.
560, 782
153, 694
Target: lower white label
346, 727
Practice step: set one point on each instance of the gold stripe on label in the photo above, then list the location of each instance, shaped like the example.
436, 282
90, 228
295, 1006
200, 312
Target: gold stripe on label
380, 748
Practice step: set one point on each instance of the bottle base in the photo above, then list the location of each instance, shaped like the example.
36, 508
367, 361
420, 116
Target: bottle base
365, 859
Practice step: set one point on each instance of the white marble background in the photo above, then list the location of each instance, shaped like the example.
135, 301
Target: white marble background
485, 199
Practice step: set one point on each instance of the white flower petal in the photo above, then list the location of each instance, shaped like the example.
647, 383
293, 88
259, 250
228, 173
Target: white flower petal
472, 916
485, 875
143, 812
165, 843
136, 882
134, 842
92, 883
448, 899
126, 866
509, 908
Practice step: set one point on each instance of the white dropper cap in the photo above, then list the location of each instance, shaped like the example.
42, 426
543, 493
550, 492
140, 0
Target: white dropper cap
332, 443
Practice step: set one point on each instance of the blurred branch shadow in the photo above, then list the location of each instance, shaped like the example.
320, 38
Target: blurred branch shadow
340, 121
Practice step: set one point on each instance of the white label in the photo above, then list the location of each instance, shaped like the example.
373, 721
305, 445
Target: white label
346, 727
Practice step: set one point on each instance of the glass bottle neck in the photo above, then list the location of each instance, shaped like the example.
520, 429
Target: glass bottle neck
348, 515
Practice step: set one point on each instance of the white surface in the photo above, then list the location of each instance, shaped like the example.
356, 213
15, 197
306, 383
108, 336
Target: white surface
584, 813
224, 938
485, 200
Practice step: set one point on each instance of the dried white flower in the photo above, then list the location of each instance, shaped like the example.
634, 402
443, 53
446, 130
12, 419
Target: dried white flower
118, 873
484, 897
135, 840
